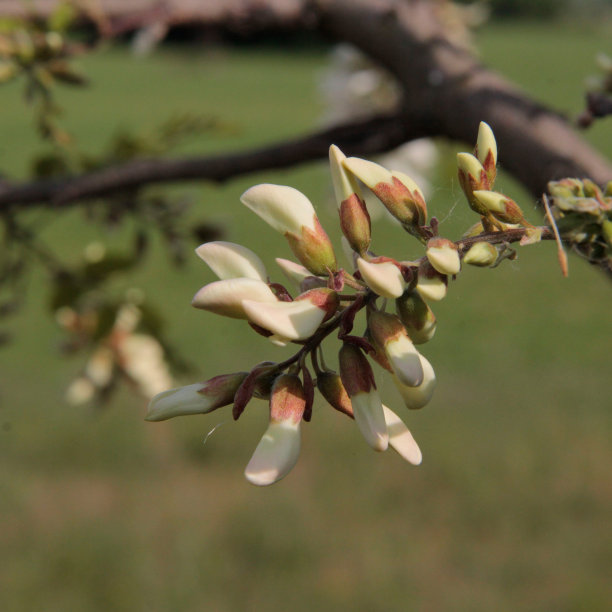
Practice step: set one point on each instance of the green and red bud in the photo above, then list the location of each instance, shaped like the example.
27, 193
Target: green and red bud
389, 333
199, 398
358, 380
500, 206
279, 448
398, 192
290, 212
443, 255
486, 151
472, 177
416, 316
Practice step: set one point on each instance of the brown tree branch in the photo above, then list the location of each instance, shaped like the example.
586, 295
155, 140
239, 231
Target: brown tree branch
364, 137
447, 93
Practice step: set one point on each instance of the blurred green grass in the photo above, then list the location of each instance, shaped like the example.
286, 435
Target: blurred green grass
511, 509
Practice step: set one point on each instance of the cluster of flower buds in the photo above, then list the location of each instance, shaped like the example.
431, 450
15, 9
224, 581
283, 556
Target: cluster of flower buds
394, 295
583, 214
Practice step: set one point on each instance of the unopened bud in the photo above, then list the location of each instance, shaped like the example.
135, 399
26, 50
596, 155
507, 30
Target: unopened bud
431, 285
199, 398
388, 332
472, 176
331, 388
226, 297
279, 448
290, 212
358, 380
443, 256
400, 438
384, 278
500, 206
417, 397
229, 260
481, 254
417, 317
296, 320
354, 216
398, 192
486, 151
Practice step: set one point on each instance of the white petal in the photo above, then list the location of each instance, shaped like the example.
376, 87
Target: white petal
293, 320
284, 208
275, 455
179, 402
445, 260
400, 438
405, 361
295, 272
225, 297
370, 418
433, 289
229, 260
417, 397
368, 172
344, 184
384, 278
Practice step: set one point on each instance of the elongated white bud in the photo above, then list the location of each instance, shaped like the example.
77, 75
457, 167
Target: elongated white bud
279, 448
344, 183
284, 208
358, 380
486, 151
225, 297
199, 398
383, 278
291, 213
229, 260
400, 438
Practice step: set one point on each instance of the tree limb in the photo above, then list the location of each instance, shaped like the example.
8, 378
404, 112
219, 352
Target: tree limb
363, 137
447, 93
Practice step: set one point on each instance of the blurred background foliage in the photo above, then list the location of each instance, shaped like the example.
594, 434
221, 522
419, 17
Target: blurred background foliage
511, 508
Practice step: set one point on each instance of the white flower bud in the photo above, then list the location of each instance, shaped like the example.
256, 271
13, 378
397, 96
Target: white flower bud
229, 260
443, 256
383, 278
284, 208
225, 297
275, 455
400, 438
